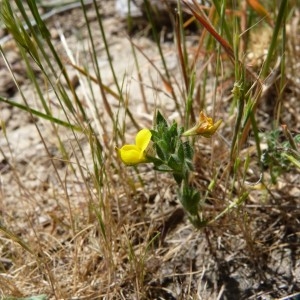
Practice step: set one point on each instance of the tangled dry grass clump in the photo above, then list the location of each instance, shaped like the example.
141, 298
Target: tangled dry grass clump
205, 218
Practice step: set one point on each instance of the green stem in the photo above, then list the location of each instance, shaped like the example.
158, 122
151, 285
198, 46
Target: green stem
272, 47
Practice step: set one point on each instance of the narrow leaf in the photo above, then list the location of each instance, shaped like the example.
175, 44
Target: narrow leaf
40, 115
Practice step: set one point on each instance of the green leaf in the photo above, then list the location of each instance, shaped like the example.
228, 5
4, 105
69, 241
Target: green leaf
156, 161
180, 152
297, 138
155, 136
160, 120
171, 138
175, 164
188, 151
178, 178
188, 165
163, 168
292, 159
162, 149
173, 130
17, 30
41, 115
180, 131
39, 22
190, 199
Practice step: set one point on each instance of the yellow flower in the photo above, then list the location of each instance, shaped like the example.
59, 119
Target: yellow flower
205, 127
135, 154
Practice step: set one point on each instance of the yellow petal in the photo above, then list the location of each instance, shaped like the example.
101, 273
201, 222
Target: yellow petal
204, 127
142, 139
203, 118
210, 131
131, 155
135, 154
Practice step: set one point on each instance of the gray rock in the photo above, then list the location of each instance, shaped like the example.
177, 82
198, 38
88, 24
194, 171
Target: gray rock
128, 7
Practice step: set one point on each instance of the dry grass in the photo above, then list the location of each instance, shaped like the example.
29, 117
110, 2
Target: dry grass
78, 224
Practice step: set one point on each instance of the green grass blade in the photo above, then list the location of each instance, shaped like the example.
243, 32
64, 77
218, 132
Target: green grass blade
41, 115
280, 21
